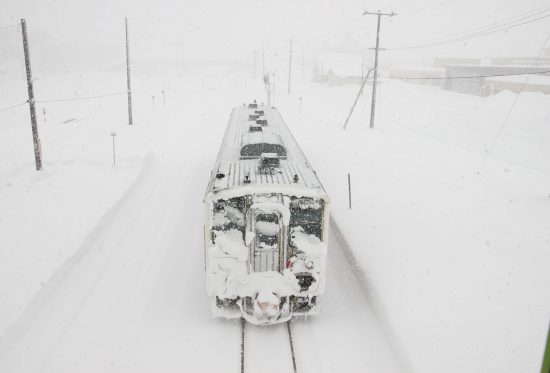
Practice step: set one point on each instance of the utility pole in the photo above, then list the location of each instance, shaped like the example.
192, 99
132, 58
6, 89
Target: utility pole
34, 126
263, 59
273, 87
375, 80
303, 63
128, 74
113, 134
267, 83
349, 190
289, 66
362, 73
255, 52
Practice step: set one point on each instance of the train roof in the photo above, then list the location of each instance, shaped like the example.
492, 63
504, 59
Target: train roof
258, 154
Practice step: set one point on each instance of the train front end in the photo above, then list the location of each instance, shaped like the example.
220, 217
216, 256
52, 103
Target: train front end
266, 255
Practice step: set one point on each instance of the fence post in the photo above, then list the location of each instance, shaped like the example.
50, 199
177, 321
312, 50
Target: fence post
113, 134
349, 190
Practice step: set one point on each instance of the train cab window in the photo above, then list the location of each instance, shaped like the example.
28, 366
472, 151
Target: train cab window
308, 214
229, 214
267, 230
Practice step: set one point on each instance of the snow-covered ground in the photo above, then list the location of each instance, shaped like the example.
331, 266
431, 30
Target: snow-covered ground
102, 267
457, 261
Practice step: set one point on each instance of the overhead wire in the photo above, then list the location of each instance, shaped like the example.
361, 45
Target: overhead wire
13, 106
397, 4
82, 98
501, 128
427, 7
483, 30
8, 26
499, 23
461, 77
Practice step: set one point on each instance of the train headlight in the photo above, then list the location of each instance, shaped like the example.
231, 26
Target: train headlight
309, 264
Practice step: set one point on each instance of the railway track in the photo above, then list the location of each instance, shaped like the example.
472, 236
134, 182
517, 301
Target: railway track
291, 345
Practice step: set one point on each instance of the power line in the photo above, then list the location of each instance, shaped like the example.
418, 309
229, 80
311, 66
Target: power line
397, 4
461, 77
499, 132
468, 37
427, 7
499, 23
13, 106
83, 98
484, 30
338, 30
8, 26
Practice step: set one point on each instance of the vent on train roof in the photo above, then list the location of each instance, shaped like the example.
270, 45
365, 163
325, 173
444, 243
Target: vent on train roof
253, 105
269, 163
253, 128
261, 122
253, 116
255, 143
259, 112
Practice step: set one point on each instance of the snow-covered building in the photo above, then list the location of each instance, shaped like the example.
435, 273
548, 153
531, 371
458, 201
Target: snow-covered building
535, 83
340, 68
428, 76
477, 79
442, 62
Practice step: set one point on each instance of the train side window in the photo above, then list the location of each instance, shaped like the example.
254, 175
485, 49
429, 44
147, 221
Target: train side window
308, 214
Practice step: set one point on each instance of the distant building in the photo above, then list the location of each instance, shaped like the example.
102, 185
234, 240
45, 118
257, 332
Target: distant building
420, 76
473, 80
443, 62
516, 84
339, 68
527, 61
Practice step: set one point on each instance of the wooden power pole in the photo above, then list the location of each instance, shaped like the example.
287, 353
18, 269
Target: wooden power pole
263, 59
130, 122
289, 66
35, 137
255, 53
375, 80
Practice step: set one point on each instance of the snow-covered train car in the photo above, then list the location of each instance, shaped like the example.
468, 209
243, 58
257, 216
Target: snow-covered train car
266, 223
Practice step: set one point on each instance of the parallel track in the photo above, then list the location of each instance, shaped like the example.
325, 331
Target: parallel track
292, 354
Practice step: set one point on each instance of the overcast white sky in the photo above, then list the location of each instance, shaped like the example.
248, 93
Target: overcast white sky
232, 29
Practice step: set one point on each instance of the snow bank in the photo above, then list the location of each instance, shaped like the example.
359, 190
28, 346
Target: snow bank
457, 261
45, 216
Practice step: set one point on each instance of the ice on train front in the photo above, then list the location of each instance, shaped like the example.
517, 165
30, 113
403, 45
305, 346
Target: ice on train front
266, 226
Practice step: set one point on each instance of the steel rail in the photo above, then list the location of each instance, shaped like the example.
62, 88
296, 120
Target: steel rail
292, 353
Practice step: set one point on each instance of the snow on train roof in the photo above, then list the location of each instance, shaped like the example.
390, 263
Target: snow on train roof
238, 165
260, 137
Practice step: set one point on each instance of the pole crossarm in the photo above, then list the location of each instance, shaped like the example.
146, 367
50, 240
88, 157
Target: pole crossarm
380, 14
